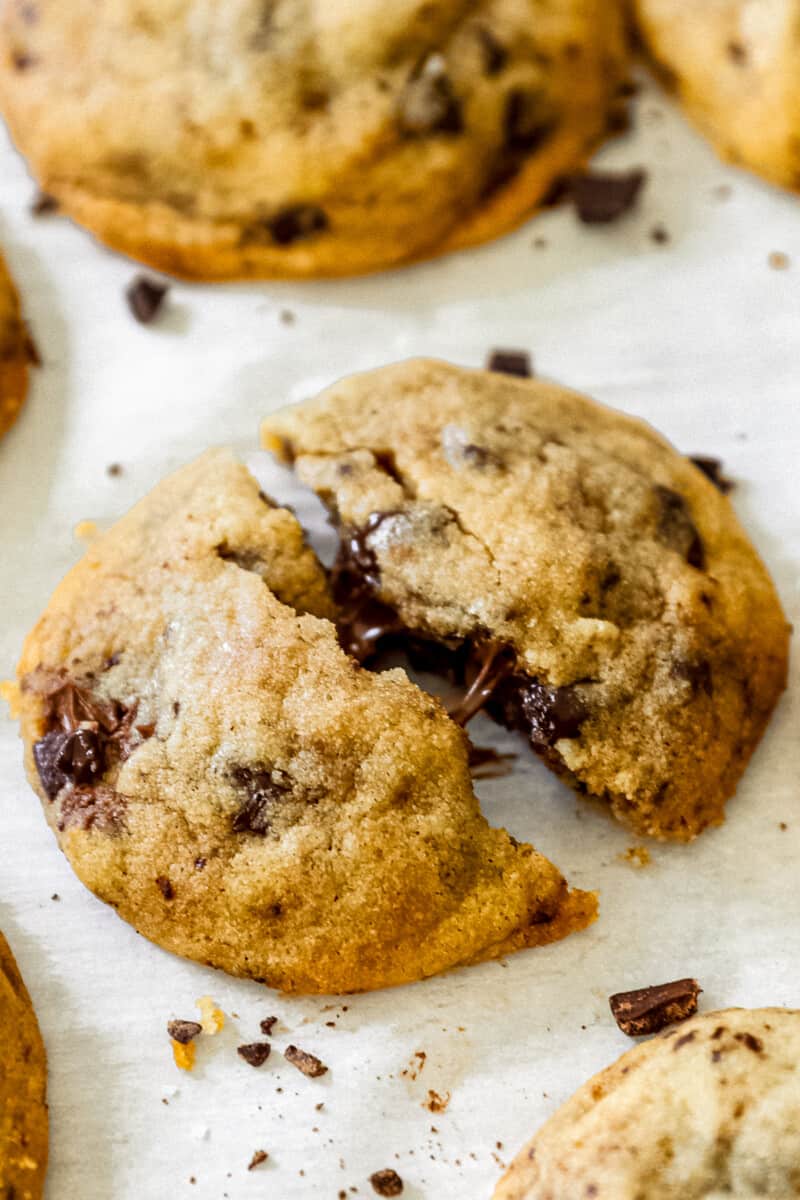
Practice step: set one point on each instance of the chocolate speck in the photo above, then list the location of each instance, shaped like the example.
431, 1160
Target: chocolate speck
267, 1025
165, 887
660, 235
386, 1182
43, 205
114, 470
145, 298
258, 1158
510, 362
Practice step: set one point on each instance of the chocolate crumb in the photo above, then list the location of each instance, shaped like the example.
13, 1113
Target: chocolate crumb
712, 469
651, 1009
602, 197
386, 1182
660, 235
510, 362
287, 317
55, 895
165, 887
145, 297
254, 1053
114, 470
184, 1032
43, 205
268, 1024
258, 1158
309, 1064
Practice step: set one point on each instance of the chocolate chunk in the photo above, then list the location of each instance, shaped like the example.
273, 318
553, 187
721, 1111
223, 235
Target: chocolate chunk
259, 1157
46, 755
712, 469
264, 789
165, 887
495, 54
43, 205
63, 758
268, 1024
526, 122
184, 1031
296, 222
603, 197
551, 713
386, 1182
676, 527
510, 362
96, 807
650, 1009
254, 1053
145, 297
309, 1064
427, 103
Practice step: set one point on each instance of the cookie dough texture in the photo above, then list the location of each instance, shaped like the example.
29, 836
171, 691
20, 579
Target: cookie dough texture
15, 352
514, 513
735, 65
709, 1109
23, 1083
273, 138
238, 788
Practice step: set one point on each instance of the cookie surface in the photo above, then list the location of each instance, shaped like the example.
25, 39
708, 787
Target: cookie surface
216, 768
23, 1085
709, 1109
594, 587
279, 139
735, 66
15, 352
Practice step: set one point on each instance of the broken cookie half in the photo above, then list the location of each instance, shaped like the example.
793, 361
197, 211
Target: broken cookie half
219, 770
589, 585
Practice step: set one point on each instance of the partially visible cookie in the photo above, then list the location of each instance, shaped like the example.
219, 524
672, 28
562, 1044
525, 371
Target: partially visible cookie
239, 789
280, 139
735, 65
591, 583
15, 352
23, 1085
709, 1109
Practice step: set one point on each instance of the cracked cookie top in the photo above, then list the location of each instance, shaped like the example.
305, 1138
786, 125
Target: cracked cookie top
237, 787
16, 352
599, 585
23, 1086
709, 1109
275, 138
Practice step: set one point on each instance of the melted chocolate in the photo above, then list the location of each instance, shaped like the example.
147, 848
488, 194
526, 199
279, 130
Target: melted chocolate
264, 791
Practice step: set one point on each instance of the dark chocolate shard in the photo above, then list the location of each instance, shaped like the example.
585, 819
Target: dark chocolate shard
184, 1031
676, 528
510, 362
296, 222
427, 104
712, 469
386, 1182
603, 197
650, 1009
309, 1064
254, 1053
265, 788
145, 298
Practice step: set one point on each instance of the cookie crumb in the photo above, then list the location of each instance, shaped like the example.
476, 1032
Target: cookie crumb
779, 261
145, 298
386, 1182
436, 1103
86, 531
636, 856
650, 1009
11, 692
267, 1025
184, 1031
258, 1158
254, 1053
114, 470
309, 1064
184, 1055
212, 1018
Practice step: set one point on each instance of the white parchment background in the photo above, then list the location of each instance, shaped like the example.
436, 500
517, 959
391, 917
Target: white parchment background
702, 338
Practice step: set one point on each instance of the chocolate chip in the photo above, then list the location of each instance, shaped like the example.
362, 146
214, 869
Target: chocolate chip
296, 222
43, 205
309, 1064
427, 103
526, 123
510, 362
184, 1031
603, 197
495, 54
98, 808
268, 1024
712, 469
651, 1009
676, 527
165, 887
259, 1157
46, 755
551, 713
254, 1053
63, 758
145, 297
386, 1182
264, 789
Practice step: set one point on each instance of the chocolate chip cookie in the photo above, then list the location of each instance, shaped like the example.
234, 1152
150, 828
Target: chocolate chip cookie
216, 767
735, 66
590, 585
23, 1084
16, 352
708, 1109
270, 138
